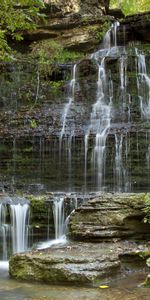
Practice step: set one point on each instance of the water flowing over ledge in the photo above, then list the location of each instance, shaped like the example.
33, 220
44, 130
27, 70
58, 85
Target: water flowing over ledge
94, 135
109, 235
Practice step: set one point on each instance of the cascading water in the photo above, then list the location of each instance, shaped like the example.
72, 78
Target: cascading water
19, 229
120, 173
63, 205
69, 103
101, 110
58, 211
67, 107
13, 228
143, 84
108, 97
100, 122
3, 231
110, 38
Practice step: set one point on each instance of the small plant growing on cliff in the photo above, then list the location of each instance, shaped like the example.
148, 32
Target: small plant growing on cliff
100, 34
146, 209
50, 53
33, 124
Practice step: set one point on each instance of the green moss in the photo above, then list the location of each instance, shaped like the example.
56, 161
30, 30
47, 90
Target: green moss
98, 31
56, 85
137, 199
146, 209
147, 281
33, 123
40, 208
104, 29
49, 54
144, 254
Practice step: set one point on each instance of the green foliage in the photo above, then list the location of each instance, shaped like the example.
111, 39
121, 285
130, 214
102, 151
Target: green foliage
131, 7
99, 31
15, 17
146, 209
33, 124
56, 85
49, 53
100, 34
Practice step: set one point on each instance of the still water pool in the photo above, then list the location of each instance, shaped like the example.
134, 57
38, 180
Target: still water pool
125, 289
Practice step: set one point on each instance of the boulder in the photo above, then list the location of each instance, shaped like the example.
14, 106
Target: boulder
85, 264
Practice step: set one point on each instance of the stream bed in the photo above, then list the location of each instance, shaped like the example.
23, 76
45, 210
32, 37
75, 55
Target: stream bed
128, 288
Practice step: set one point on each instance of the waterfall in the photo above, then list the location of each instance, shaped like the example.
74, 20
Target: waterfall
101, 110
114, 31
65, 114
100, 121
69, 103
110, 38
3, 231
58, 211
143, 85
13, 228
99, 124
18, 227
61, 213
91, 126
59, 224
123, 72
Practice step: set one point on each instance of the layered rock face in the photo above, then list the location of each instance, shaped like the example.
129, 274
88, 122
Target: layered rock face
110, 216
76, 6
81, 25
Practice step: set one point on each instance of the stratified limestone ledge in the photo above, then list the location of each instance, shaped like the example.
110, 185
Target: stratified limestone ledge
110, 216
72, 264
78, 263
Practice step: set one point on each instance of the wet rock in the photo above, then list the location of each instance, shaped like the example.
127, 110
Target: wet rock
73, 6
135, 28
75, 263
117, 13
73, 31
108, 217
86, 68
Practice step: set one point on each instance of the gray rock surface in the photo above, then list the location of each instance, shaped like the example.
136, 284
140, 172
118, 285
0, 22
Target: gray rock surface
110, 216
78, 263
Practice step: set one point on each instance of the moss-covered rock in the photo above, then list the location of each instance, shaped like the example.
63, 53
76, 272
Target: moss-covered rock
147, 281
41, 217
148, 260
78, 263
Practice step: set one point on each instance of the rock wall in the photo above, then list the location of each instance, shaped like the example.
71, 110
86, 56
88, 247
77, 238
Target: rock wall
76, 6
110, 217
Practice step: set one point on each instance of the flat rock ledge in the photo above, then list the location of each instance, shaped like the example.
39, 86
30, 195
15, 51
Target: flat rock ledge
86, 264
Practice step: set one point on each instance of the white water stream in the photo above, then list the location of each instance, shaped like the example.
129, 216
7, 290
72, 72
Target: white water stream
69, 103
19, 227
143, 84
13, 229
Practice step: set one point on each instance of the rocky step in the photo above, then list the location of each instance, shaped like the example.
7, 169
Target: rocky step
110, 216
79, 263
